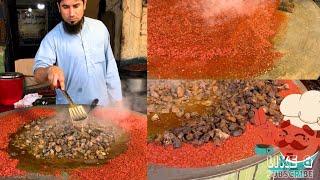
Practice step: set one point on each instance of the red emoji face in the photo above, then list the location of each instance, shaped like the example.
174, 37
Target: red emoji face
294, 141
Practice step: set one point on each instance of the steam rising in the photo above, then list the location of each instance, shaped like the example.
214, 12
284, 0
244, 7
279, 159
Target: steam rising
212, 9
116, 115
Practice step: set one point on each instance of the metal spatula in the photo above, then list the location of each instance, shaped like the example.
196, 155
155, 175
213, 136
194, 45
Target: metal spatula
77, 112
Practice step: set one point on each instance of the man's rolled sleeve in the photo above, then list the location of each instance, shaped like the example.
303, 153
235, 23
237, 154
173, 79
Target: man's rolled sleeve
46, 55
112, 79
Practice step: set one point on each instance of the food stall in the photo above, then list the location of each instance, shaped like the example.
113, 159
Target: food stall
26, 22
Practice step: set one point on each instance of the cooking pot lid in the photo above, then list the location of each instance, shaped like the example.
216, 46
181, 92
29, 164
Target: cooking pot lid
10, 75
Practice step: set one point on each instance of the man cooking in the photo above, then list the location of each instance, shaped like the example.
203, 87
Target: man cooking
76, 56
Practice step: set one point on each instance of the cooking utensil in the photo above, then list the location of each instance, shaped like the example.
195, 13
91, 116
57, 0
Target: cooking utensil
93, 105
120, 134
77, 112
11, 87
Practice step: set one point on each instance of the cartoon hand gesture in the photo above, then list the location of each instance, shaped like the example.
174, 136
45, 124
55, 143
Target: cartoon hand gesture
267, 131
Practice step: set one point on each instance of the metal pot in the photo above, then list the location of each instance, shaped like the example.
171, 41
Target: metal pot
136, 85
134, 75
11, 87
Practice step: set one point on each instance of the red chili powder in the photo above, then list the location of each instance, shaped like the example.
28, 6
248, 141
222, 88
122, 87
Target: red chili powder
233, 149
129, 165
133, 163
9, 124
183, 43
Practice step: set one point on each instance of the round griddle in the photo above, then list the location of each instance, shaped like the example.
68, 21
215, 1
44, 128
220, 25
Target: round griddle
62, 112
159, 172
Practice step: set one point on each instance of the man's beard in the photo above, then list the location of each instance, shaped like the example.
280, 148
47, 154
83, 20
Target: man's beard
73, 28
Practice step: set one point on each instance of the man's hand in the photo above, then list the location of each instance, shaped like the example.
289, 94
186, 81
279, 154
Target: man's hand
56, 77
53, 75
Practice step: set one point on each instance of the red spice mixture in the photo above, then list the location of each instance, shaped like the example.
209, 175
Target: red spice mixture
184, 41
233, 149
129, 165
133, 163
9, 124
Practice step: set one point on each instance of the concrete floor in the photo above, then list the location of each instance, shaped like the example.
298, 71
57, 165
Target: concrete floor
300, 44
